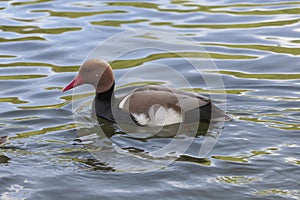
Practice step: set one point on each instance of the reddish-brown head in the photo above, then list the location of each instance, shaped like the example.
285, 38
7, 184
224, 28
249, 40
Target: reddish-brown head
95, 72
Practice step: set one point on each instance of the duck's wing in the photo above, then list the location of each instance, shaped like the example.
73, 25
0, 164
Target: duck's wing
142, 99
174, 91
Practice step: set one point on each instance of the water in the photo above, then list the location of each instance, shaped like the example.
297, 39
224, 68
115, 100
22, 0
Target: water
254, 45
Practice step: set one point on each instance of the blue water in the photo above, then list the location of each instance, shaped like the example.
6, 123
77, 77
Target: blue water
255, 47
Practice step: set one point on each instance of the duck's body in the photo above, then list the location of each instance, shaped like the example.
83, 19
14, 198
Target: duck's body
145, 106
155, 106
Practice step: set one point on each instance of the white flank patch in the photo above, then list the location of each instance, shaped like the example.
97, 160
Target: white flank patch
159, 117
172, 117
142, 119
157, 114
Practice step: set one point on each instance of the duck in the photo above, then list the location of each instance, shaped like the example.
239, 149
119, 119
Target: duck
150, 105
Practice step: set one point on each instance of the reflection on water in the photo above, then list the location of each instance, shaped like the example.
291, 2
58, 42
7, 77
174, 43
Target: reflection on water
3, 159
246, 158
255, 46
236, 180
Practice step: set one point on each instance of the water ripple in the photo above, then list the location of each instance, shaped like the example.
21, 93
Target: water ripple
254, 45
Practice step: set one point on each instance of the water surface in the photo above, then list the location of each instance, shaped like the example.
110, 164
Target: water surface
255, 46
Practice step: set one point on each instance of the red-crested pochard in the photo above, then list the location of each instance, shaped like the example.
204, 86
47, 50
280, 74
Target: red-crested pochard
148, 105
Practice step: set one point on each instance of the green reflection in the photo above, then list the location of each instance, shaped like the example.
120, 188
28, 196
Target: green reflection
239, 159
92, 164
215, 9
134, 4
237, 180
55, 68
75, 97
275, 49
245, 158
227, 25
290, 11
286, 193
287, 126
71, 14
179, 1
280, 98
36, 29
20, 77
230, 56
120, 64
25, 118
293, 161
44, 130
59, 105
53, 88
118, 22
295, 41
273, 124
22, 39
228, 91
261, 76
29, 2
190, 159
257, 5
7, 56
13, 100
147, 36
292, 109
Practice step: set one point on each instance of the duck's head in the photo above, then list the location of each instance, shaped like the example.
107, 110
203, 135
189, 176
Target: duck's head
96, 72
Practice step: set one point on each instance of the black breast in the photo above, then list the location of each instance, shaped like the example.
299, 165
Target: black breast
103, 104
